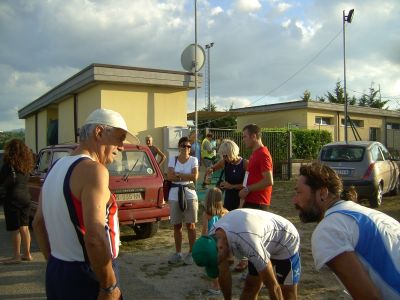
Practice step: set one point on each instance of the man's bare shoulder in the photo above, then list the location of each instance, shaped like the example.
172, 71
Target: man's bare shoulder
90, 170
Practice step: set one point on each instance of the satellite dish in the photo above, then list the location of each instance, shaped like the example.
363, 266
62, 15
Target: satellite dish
187, 58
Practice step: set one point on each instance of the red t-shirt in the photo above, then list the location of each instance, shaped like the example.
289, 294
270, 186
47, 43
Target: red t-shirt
260, 161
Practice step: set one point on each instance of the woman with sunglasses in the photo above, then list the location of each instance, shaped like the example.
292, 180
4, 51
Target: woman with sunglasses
183, 171
234, 168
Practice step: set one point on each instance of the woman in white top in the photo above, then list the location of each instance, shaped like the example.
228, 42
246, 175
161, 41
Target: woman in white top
183, 172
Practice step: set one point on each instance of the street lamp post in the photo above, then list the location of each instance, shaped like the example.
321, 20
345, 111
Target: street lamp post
347, 19
196, 119
208, 47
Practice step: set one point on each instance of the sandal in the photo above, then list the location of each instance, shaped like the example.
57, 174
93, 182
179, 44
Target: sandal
241, 266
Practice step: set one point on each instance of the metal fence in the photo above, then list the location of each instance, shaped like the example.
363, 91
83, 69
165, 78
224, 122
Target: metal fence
279, 145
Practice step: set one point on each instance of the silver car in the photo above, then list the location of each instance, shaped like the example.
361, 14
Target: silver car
367, 165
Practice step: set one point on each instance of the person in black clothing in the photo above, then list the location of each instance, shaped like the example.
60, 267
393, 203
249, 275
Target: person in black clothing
14, 175
234, 170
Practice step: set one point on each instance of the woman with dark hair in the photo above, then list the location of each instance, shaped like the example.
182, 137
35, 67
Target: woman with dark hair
183, 171
14, 175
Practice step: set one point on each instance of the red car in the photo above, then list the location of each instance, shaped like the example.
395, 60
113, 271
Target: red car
135, 179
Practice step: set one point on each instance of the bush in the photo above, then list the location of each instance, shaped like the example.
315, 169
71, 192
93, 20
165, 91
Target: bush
308, 142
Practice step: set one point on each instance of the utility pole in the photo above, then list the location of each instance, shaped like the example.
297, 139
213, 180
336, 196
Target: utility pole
208, 47
347, 19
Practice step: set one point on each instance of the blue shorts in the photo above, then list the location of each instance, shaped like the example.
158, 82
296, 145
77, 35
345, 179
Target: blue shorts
72, 280
287, 271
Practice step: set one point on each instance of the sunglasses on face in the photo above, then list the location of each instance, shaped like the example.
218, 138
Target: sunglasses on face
186, 146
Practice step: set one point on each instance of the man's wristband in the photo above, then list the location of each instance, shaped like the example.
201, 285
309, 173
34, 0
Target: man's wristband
110, 289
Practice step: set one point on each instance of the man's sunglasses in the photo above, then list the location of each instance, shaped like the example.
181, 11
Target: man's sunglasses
186, 146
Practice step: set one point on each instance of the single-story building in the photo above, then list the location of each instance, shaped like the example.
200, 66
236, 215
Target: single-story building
148, 99
370, 123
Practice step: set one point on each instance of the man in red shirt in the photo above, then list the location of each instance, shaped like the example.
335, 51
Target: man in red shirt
258, 181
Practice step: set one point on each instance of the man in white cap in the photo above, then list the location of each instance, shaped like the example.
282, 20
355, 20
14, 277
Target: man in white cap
76, 224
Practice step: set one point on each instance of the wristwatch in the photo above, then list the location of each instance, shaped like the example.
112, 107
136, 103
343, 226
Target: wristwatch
246, 189
110, 289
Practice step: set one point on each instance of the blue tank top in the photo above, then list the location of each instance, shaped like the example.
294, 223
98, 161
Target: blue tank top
212, 221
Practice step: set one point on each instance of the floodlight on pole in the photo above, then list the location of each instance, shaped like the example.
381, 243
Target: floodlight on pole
208, 47
347, 19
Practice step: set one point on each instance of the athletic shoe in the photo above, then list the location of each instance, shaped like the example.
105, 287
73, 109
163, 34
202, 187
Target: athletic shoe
175, 258
212, 292
188, 260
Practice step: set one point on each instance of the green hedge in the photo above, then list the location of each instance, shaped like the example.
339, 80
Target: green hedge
308, 142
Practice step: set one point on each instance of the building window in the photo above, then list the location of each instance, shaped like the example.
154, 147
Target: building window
323, 121
393, 126
357, 123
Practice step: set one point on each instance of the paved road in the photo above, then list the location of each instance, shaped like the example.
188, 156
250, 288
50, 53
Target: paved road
26, 280
22, 281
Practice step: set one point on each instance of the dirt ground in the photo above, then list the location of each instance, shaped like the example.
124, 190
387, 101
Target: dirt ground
149, 259
145, 273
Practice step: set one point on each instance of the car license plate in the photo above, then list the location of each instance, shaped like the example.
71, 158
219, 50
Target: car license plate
129, 196
343, 172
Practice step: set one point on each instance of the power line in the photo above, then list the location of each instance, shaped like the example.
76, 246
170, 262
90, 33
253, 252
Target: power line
292, 76
301, 69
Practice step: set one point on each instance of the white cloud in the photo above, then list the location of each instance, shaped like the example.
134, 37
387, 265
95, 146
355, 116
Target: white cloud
248, 6
286, 23
282, 7
215, 11
308, 31
257, 47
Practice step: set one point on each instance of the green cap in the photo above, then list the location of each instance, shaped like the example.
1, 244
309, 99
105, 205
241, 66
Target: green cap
205, 254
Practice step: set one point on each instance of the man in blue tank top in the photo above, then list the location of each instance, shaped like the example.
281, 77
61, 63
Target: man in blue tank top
360, 245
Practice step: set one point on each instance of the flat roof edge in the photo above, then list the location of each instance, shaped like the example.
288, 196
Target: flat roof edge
98, 73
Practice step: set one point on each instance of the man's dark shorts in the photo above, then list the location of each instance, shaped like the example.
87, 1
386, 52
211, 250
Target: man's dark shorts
72, 280
287, 271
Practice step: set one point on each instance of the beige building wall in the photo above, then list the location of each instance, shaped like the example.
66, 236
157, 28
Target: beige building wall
303, 118
66, 121
275, 119
146, 109
42, 120
332, 127
30, 133
88, 101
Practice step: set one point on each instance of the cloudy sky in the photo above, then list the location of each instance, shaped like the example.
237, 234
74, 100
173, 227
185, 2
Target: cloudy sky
264, 51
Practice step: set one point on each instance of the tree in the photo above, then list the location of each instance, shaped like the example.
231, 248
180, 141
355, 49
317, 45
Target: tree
9, 135
225, 122
371, 100
306, 96
338, 95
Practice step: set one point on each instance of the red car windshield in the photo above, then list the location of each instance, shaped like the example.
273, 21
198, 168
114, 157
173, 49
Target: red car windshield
136, 163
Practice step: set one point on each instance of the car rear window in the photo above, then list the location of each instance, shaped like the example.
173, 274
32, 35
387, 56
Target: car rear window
345, 153
132, 162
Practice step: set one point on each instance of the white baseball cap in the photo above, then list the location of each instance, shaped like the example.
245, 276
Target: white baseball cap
111, 118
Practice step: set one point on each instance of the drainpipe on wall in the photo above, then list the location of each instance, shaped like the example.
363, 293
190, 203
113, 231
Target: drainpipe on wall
36, 133
76, 118
385, 131
338, 126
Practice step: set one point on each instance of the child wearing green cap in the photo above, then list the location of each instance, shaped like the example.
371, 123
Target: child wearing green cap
214, 210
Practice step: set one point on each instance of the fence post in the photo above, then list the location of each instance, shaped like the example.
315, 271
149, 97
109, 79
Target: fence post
290, 154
